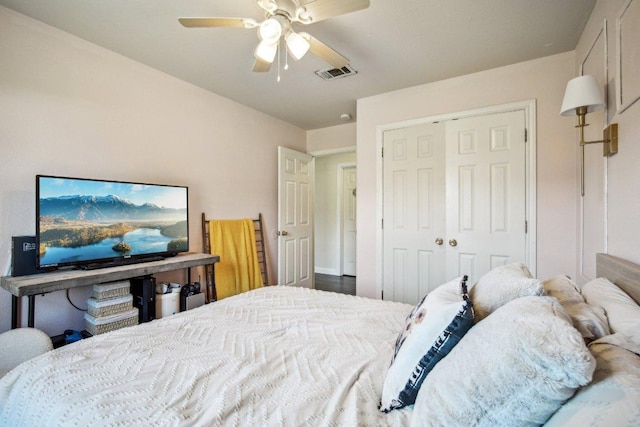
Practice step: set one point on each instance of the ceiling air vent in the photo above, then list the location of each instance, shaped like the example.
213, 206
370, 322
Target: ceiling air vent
336, 73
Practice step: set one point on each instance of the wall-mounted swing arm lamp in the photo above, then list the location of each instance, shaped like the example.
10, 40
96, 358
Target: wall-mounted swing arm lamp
581, 97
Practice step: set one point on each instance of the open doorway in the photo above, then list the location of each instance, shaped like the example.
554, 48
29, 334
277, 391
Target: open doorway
334, 232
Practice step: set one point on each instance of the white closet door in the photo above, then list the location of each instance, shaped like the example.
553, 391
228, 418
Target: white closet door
414, 215
486, 193
462, 181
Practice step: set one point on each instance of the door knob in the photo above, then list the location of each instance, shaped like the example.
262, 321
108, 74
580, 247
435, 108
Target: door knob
439, 241
453, 242
283, 233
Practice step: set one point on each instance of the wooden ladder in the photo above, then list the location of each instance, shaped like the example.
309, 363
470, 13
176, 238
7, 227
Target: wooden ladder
261, 249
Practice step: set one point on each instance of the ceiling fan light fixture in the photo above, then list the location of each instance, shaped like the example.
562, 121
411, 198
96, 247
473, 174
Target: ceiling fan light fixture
279, 15
266, 52
270, 31
297, 45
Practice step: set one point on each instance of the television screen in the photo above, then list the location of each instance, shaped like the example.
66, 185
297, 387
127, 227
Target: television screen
87, 221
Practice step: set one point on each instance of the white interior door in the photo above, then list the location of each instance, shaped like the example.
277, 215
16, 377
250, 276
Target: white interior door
486, 193
454, 201
414, 214
295, 218
349, 221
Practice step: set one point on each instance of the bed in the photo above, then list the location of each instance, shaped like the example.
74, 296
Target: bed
280, 356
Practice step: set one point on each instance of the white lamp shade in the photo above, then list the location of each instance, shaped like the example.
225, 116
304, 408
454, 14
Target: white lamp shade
582, 91
297, 45
266, 52
270, 31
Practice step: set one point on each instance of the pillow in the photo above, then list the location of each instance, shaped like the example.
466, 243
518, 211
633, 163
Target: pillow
589, 320
432, 329
622, 311
612, 398
516, 367
501, 285
628, 342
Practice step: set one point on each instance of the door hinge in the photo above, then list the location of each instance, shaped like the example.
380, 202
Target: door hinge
382, 295
382, 152
526, 227
382, 223
526, 135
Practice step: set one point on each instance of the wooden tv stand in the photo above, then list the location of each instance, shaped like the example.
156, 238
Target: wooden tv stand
36, 284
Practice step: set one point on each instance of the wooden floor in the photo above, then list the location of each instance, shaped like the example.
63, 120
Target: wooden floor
340, 284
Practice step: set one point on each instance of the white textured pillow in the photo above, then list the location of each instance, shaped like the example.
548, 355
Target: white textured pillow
501, 285
590, 320
622, 311
516, 367
431, 330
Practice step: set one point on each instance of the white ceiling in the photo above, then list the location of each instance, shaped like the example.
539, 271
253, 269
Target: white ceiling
393, 44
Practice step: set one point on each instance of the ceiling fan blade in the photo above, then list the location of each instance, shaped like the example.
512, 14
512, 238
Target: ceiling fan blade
319, 10
218, 22
325, 53
261, 66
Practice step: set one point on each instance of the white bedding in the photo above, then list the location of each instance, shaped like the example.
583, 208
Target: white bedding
613, 398
274, 356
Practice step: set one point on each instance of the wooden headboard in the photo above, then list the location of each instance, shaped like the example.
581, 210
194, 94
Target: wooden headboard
623, 273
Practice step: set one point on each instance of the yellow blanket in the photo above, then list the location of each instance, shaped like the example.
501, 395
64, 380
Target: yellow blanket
238, 270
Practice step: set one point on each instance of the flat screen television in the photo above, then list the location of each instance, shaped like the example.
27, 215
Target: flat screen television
96, 223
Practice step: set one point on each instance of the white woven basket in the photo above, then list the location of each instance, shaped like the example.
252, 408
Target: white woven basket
108, 307
100, 325
111, 290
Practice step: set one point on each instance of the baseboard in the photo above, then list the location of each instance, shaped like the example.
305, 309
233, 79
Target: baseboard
330, 271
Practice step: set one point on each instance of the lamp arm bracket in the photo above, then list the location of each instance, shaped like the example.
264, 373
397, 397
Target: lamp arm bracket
595, 142
609, 139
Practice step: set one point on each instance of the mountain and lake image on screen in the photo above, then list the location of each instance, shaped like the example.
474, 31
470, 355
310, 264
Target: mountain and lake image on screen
82, 221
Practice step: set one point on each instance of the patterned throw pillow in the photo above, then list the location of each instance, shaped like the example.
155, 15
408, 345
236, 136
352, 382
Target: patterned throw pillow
432, 329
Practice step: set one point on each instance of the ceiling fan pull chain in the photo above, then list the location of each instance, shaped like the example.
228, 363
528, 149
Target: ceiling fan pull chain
278, 54
286, 57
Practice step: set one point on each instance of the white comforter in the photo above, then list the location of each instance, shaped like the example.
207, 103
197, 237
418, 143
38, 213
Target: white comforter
613, 398
276, 356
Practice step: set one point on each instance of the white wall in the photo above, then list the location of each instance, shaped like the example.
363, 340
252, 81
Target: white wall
543, 80
331, 139
68, 107
619, 174
327, 260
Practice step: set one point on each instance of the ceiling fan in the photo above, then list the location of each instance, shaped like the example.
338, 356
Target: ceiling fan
280, 16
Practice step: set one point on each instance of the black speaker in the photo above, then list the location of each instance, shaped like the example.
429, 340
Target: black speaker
23, 256
143, 290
